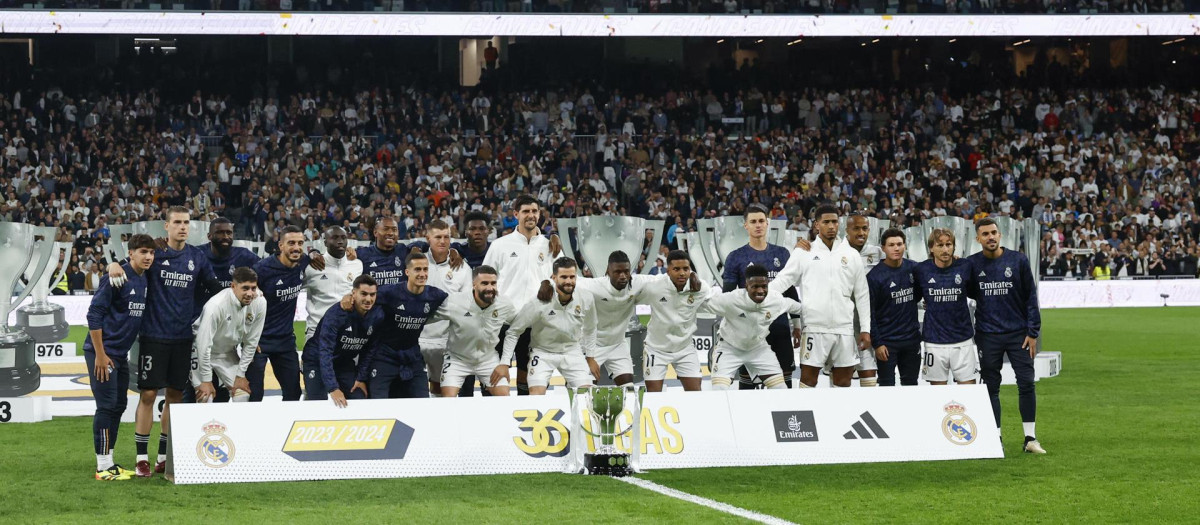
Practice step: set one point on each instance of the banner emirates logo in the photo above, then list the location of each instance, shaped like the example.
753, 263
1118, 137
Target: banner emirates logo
794, 426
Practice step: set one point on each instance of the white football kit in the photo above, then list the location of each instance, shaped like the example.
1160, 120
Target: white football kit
672, 323
226, 338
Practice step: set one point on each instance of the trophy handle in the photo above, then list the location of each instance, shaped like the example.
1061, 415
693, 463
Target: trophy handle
564, 235
706, 233
658, 226
61, 251
41, 250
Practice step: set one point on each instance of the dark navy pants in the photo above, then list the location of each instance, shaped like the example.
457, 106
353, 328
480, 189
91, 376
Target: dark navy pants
992, 350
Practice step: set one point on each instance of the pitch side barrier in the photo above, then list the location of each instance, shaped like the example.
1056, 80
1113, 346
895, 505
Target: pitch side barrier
314, 440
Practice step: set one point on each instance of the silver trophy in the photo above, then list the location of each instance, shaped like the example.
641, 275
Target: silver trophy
597, 236
964, 232
914, 239
19, 371
690, 243
42, 320
1032, 243
1010, 233
118, 242
721, 236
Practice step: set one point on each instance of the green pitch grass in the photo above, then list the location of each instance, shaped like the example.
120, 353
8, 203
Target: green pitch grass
1119, 424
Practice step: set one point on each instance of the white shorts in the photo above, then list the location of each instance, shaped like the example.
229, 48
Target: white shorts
455, 370
615, 359
760, 362
838, 351
572, 365
956, 362
654, 364
433, 362
224, 368
867, 361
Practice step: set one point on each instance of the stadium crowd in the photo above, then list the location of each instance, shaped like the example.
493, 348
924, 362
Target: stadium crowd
645, 6
1110, 174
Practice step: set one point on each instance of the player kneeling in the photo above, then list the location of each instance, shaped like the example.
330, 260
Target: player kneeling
747, 315
563, 333
475, 318
332, 355
227, 335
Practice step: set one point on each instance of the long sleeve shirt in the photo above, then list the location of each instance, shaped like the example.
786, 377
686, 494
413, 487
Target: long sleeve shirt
223, 268
614, 307
174, 281
452, 282
1006, 294
556, 328
894, 304
672, 314
832, 285
339, 341
474, 331
745, 323
226, 326
522, 264
281, 286
117, 312
398, 334
325, 288
945, 290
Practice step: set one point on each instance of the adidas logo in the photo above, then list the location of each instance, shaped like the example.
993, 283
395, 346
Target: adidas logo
866, 428
605, 299
373, 265
816, 257
133, 292
228, 318
166, 263
514, 254
324, 277
932, 280
663, 300
983, 274
279, 282
551, 312
349, 329
400, 308
893, 285
743, 314
468, 314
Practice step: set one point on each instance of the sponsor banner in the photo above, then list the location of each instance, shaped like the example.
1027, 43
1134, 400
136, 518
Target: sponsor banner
246, 442
594, 25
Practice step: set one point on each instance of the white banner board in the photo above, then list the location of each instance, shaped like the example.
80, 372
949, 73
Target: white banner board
226, 443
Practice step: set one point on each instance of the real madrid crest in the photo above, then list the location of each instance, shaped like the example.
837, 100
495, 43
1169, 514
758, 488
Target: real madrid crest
249, 317
449, 275
370, 330
691, 298
845, 261
215, 449
958, 427
870, 259
541, 257
578, 310
776, 261
1008, 272
911, 279
426, 307
768, 312
957, 279
230, 270
191, 266
349, 276
399, 261
494, 314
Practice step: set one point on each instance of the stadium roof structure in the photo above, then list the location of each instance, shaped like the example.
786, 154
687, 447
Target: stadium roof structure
590, 25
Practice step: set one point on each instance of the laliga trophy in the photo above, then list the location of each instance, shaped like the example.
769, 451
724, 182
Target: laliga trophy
600, 235
19, 371
964, 232
720, 236
42, 320
604, 406
914, 239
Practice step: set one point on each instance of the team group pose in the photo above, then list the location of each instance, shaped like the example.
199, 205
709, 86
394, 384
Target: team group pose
433, 318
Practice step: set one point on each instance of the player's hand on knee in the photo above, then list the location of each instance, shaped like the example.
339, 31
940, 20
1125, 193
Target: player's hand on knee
359, 385
500, 373
241, 383
545, 292
205, 392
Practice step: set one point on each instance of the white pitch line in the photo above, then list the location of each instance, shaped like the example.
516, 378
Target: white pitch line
705, 502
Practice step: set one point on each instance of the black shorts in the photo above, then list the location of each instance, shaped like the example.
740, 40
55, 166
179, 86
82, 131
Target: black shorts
164, 363
780, 339
522, 352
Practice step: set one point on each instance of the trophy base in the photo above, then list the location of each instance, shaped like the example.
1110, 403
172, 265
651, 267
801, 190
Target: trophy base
19, 372
615, 465
44, 323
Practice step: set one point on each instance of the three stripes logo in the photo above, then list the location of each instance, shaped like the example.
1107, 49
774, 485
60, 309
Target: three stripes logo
866, 428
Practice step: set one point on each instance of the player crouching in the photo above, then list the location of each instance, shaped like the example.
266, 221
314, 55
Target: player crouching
331, 356
227, 335
747, 315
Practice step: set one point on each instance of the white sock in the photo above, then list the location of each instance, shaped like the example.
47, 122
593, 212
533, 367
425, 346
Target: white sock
431, 394
1029, 429
104, 461
143, 457
162, 458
